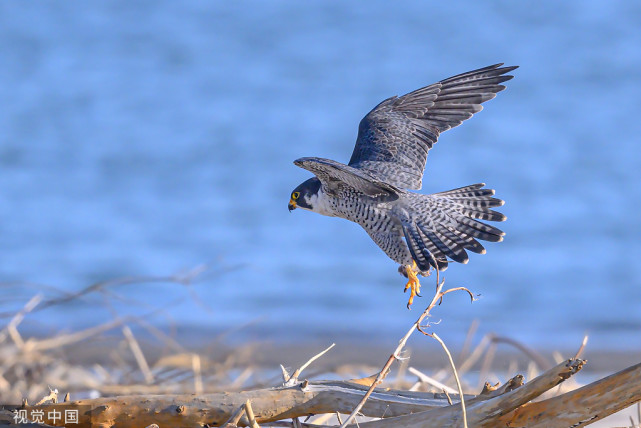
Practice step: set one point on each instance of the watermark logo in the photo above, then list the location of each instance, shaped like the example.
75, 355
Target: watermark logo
55, 416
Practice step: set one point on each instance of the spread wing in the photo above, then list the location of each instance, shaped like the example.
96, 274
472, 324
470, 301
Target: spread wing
337, 178
394, 138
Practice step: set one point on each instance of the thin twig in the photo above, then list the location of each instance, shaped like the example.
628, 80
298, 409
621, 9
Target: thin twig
449, 399
53, 396
235, 417
396, 354
294, 377
250, 415
534, 356
450, 290
425, 378
532, 370
458, 382
241, 378
476, 353
581, 348
400, 375
286, 375
67, 339
198, 378
182, 278
487, 362
468, 340
12, 327
140, 357
166, 339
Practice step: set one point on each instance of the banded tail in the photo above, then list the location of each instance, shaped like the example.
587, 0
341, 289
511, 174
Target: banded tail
444, 225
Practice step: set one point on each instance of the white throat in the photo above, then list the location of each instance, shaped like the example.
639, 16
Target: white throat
320, 203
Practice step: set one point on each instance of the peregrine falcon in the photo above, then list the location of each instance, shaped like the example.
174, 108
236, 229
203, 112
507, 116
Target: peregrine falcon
417, 231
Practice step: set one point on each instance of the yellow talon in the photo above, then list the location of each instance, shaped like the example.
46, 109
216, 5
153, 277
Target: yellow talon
412, 284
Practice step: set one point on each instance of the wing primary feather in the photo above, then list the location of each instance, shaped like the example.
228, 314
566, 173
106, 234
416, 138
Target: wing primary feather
468, 201
488, 215
395, 137
480, 230
467, 242
452, 250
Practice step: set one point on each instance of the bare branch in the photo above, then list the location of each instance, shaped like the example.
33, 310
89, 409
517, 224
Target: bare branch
250, 415
294, 377
12, 327
396, 354
235, 417
582, 347
425, 378
140, 357
458, 382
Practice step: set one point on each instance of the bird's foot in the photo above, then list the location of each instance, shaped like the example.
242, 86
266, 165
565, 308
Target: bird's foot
413, 283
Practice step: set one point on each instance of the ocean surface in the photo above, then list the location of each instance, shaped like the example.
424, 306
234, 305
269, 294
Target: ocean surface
147, 139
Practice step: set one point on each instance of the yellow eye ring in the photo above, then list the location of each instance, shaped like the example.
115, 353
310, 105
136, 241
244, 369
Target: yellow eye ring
295, 195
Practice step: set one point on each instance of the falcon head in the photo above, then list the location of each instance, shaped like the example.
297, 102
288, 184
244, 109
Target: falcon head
305, 194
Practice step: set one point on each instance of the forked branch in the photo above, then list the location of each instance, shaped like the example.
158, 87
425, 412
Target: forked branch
437, 299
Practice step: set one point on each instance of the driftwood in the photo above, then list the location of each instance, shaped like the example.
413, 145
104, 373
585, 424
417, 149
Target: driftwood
504, 406
509, 405
270, 404
582, 406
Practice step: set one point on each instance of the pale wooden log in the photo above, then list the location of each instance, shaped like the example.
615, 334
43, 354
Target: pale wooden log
582, 406
483, 410
267, 404
490, 409
505, 406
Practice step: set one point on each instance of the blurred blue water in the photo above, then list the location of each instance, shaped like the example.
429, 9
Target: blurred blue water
141, 138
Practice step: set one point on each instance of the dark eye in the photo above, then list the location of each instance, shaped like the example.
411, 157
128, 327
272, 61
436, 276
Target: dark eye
295, 195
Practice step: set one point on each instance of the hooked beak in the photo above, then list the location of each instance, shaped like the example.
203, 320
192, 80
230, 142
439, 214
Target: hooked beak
292, 205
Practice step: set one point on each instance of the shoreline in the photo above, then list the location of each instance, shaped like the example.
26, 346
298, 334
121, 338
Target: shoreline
424, 354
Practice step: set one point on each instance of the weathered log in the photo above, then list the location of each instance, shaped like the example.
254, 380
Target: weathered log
483, 410
506, 406
272, 404
582, 406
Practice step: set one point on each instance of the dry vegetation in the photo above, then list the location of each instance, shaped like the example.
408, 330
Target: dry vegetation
134, 385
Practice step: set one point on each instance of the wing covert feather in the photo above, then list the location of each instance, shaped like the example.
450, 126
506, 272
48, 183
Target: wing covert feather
336, 177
